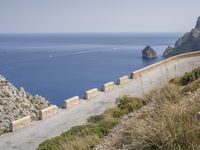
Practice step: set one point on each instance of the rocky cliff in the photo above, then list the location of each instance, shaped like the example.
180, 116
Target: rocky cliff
17, 103
189, 42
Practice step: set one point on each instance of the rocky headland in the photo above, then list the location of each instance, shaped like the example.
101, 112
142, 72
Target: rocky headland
17, 103
187, 43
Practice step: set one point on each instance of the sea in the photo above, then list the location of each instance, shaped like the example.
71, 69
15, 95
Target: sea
62, 65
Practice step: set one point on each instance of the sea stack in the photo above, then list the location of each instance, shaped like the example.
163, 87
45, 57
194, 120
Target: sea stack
187, 43
148, 53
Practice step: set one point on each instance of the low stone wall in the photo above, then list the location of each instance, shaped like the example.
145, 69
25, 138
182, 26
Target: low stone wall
158, 74
20, 123
48, 112
163, 63
122, 80
72, 101
108, 86
91, 93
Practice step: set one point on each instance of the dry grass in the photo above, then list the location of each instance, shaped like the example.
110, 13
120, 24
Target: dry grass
171, 126
83, 143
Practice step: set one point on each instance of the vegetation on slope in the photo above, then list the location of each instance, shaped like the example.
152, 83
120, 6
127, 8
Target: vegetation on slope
171, 125
187, 78
87, 136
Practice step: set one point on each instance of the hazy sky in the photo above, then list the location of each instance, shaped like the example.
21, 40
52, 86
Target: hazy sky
98, 15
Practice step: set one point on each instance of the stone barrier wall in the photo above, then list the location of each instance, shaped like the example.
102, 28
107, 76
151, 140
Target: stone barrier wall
72, 101
20, 123
158, 74
48, 112
108, 86
122, 80
91, 93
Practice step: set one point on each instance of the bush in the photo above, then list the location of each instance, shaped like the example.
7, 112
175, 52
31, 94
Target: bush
190, 77
118, 113
129, 104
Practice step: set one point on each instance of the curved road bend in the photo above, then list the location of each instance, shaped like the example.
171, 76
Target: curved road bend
29, 138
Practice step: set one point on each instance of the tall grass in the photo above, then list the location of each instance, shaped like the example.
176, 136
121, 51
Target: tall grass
171, 126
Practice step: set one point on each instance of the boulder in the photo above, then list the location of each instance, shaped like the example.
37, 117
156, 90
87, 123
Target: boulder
187, 43
148, 52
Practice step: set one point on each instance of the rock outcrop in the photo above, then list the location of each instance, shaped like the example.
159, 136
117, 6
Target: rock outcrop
168, 50
149, 53
17, 103
189, 42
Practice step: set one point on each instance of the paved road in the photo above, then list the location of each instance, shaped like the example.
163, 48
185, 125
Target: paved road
30, 137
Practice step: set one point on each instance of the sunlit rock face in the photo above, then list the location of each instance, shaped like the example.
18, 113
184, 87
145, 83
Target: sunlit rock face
17, 103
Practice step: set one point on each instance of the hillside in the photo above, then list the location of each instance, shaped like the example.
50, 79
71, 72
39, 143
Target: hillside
169, 121
165, 118
17, 103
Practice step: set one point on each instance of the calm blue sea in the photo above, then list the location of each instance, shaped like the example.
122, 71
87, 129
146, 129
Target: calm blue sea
58, 66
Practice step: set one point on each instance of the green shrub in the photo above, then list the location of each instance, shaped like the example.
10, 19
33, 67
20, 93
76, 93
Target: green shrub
117, 113
190, 77
129, 104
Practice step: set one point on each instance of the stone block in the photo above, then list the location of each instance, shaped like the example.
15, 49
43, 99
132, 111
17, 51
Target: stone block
48, 112
122, 80
108, 86
72, 101
20, 123
91, 93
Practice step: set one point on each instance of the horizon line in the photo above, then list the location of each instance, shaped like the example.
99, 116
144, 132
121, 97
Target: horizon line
90, 32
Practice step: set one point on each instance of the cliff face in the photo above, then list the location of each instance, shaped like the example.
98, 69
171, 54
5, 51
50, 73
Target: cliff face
17, 103
189, 42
